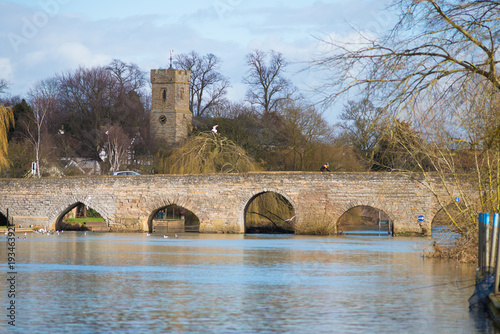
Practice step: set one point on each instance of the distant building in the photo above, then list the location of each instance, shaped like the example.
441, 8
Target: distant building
170, 118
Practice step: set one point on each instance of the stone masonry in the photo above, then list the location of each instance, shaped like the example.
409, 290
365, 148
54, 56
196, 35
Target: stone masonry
170, 116
129, 203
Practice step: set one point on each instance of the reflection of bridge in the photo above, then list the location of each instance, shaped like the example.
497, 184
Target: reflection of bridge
220, 200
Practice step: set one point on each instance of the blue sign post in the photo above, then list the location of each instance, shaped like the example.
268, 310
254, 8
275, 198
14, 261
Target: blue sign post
421, 218
457, 199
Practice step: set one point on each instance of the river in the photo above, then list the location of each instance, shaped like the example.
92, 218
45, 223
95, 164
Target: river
205, 283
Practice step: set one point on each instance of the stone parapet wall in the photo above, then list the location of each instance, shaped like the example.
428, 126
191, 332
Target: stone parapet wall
128, 203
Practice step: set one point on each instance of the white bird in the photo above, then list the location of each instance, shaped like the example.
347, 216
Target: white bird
147, 234
176, 235
214, 129
165, 236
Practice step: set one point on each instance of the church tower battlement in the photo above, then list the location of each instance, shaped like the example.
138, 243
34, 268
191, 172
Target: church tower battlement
170, 117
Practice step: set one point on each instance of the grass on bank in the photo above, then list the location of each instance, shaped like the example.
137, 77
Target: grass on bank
83, 220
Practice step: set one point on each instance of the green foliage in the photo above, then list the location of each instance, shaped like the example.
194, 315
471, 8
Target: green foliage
83, 220
93, 214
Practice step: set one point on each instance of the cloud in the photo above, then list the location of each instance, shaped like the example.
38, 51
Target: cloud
73, 33
75, 54
6, 71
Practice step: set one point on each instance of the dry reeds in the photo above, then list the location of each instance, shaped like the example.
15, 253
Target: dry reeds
319, 223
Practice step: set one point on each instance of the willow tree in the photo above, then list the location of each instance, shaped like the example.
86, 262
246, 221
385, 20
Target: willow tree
207, 152
6, 121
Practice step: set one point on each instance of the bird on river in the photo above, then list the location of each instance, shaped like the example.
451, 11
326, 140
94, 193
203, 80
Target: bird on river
165, 236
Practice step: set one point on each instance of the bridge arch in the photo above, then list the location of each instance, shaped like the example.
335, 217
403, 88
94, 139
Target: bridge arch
439, 218
162, 202
67, 204
363, 218
243, 207
343, 209
3, 219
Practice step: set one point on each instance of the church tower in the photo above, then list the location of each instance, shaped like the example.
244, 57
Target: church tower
170, 117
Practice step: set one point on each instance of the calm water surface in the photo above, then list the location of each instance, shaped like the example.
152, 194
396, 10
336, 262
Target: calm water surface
133, 283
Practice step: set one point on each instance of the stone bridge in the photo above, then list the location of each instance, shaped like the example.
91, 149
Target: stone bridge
129, 203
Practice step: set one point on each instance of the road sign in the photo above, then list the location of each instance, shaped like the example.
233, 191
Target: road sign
457, 199
421, 218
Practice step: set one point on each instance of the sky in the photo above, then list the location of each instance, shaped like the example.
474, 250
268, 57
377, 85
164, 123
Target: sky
42, 38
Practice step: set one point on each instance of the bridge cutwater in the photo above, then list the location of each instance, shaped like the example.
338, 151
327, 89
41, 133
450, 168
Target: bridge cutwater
129, 203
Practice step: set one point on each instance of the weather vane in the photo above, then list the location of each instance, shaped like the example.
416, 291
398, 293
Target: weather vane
171, 53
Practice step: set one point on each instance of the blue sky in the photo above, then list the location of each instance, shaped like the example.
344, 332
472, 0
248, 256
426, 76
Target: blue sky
42, 38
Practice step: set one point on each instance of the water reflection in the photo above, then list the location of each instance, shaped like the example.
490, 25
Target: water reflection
128, 283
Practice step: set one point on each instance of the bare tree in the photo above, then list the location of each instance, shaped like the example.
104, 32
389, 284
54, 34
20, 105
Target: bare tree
435, 44
361, 126
306, 131
87, 98
208, 86
435, 56
400, 148
129, 77
3, 85
43, 101
116, 144
268, 86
